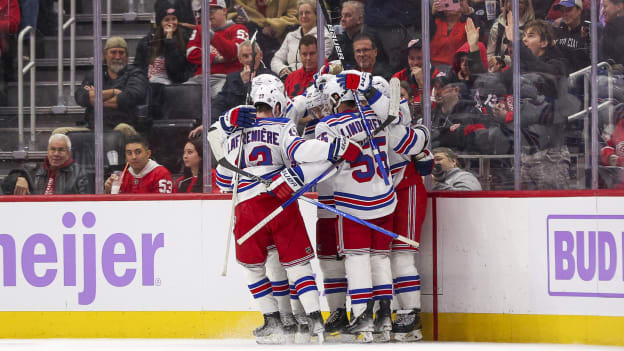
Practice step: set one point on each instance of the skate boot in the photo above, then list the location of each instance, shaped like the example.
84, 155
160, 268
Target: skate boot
272, 331
406, 327
302, 336
290, 327
361, 328
315, 323
335, 325
383, 321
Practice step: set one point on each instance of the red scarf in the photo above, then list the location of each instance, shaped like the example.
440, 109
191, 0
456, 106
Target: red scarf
52, 173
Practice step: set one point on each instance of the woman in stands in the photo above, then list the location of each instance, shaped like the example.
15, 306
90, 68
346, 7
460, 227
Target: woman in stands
286, 59
192, 180
497, 46
162, 53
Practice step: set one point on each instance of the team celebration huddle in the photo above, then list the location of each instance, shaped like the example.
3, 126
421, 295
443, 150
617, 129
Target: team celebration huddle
351, 138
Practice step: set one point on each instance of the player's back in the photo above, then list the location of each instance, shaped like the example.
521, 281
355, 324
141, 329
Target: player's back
359, 187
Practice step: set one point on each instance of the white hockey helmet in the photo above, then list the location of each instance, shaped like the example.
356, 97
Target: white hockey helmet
335, 93
272, 96
267, 79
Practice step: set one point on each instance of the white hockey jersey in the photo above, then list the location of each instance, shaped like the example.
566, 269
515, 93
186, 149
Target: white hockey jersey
359, 188
270, 145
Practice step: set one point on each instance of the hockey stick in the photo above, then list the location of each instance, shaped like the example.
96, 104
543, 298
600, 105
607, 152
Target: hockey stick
303, 190
338, 49
230, 232
362, 222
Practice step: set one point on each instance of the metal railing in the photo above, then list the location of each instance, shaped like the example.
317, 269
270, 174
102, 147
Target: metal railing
62, 26
22, 151
586, 112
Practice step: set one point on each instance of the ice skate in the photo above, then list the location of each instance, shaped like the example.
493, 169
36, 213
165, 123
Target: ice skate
383, 322
302, 336
406, 326
315, 323
361, 328
290, 327
272, 331
335, 325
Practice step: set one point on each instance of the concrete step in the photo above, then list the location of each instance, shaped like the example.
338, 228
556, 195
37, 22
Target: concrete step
10, 113
118, 25
9, 138
117, 6
45, 93
84, 45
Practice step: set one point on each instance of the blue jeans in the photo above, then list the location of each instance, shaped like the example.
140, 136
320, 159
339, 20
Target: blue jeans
29, 10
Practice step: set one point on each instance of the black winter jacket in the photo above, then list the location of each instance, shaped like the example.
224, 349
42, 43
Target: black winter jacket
134, 86
178, 68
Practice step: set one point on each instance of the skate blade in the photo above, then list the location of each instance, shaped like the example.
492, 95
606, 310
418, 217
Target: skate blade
414, 335
333, 337
383, 336
317, 339
272, 340
302, 338
359, 338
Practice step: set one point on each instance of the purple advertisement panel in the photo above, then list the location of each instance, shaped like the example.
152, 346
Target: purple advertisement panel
585, 255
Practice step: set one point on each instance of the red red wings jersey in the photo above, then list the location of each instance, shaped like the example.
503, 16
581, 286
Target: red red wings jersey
153, 179
224, 43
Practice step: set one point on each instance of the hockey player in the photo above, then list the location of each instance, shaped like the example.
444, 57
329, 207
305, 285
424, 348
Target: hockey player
224, 41
272, 150
144, 175
361, 191
409, 215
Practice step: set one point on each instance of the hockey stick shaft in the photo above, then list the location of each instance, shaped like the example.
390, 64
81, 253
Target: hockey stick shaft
301, 191
374, 147
332, 33
362, 222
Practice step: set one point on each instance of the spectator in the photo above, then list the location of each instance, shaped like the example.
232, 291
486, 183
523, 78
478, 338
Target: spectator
447, 33
286, 59
192, 180
611, 43
184, 11
124, 88
571, 37
351, 20
538, 52
161, 54
237, 84
58, 174
143, 175
299, 80
9, 24
452, 113
470, 59
497, 46
224, 42
365, 52
390, 24
413, 74
448, 176
271, 19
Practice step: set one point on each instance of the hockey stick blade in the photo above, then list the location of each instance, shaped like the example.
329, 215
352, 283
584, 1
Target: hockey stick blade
304, 189
395, 97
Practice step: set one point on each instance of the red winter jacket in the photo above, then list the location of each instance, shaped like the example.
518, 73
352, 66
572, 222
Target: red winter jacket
298, 81
224, 43
444, 44
9, 16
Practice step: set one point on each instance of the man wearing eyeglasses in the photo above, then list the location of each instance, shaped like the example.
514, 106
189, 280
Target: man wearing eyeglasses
58, 174
365, 51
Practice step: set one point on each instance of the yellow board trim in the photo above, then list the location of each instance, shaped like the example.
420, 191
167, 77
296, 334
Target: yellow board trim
531, 328
218, 325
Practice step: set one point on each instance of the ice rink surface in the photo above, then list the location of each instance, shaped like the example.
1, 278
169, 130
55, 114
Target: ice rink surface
249, 344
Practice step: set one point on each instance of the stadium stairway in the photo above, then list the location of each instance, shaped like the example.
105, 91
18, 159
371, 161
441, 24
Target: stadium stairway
127, 23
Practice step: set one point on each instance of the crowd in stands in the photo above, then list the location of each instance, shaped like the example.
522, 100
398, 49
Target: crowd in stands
471, 44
